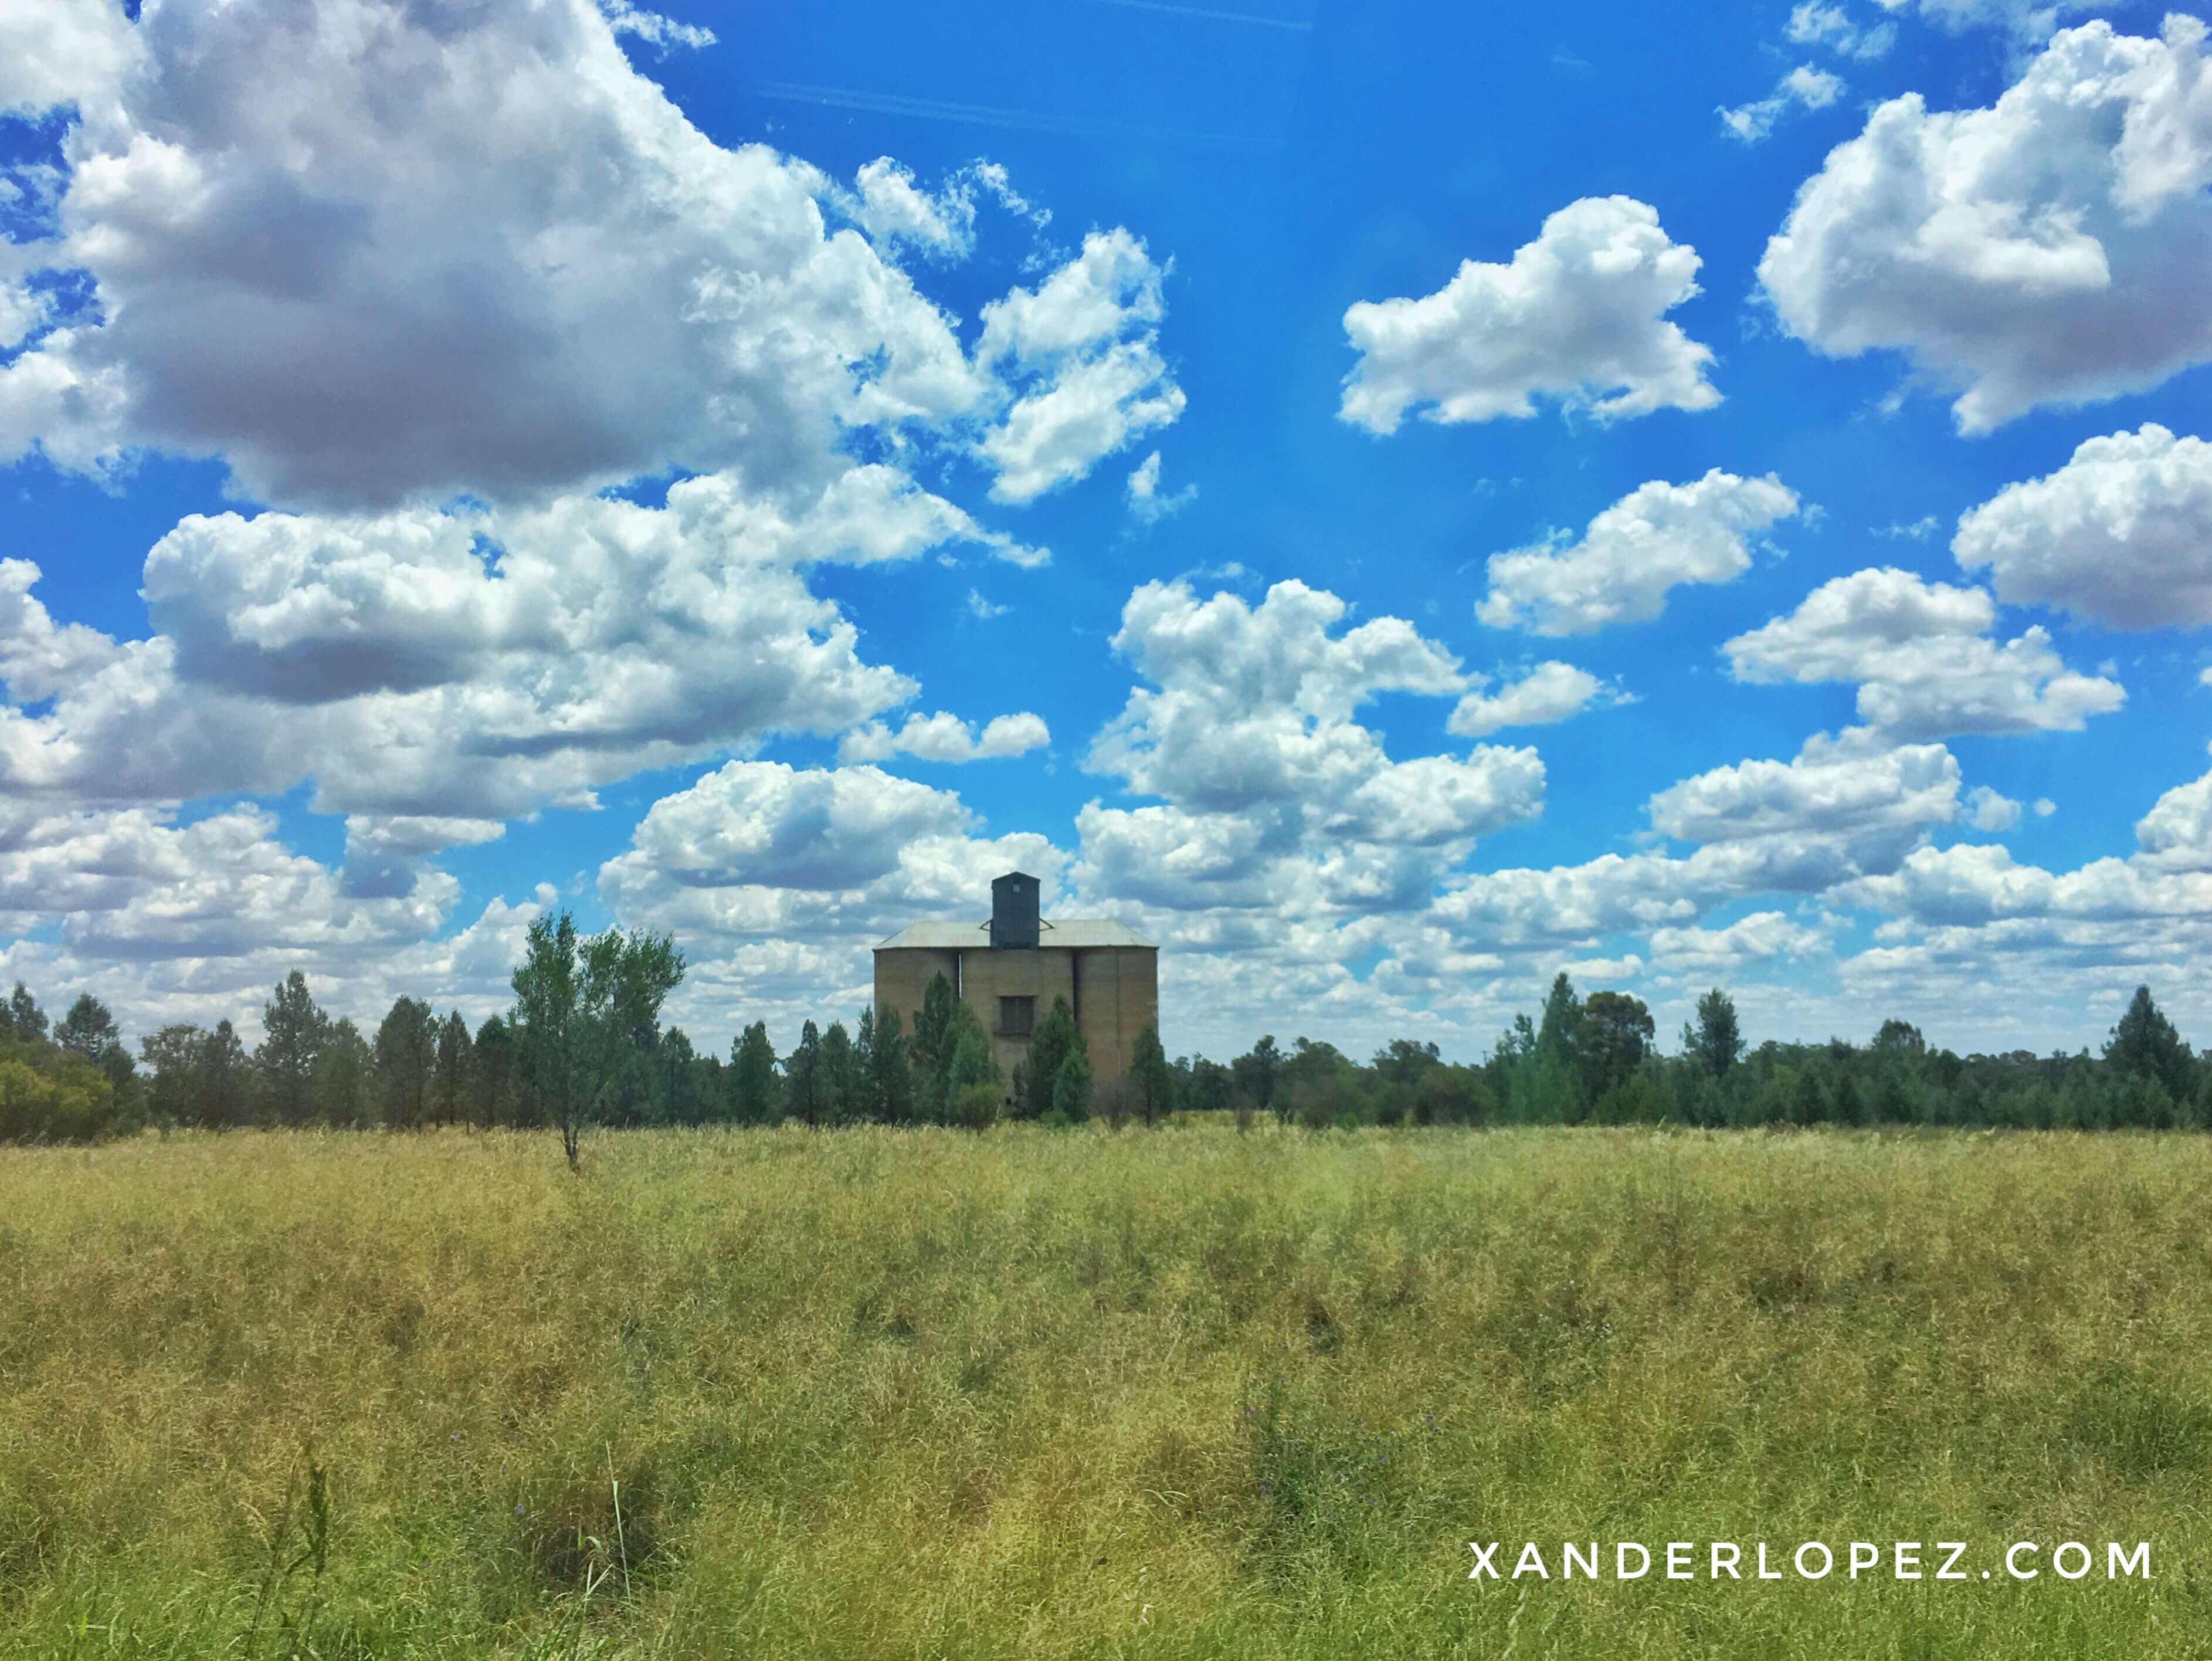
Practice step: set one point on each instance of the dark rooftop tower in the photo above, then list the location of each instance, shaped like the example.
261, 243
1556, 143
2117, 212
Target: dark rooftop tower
1014, 909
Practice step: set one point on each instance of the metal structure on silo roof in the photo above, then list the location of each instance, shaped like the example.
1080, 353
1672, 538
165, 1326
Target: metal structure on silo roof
1014, 909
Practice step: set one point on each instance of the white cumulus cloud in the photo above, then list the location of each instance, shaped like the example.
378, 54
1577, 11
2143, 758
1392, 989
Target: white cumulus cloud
1577, 316
1802, 88
946, 738
1924, 659
2122, 534
1653, 538
1549, 692
2050, 249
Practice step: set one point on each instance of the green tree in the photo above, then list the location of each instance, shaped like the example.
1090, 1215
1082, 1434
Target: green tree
1561, 1025
1255, 1072
172, 1054
802, 1077
221, 1095
24, 1015
969, 1067
456, 1061
891, 1066
1899, 1038
1052, 1041
752, 1064
2145, 1044
1071, 1086
933, 1043
293, 1030
840, 1076
496, 1092
1151, 1077
90, 1030
587, 1008
1613, 1038
1714, 1041
1402, 1060
407, 1062
344, 1082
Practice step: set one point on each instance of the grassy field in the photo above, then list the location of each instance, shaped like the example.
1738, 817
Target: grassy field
888, 1395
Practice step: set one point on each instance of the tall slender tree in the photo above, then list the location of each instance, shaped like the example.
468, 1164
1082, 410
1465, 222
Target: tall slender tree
1714, 1041
293, 1030
752, 1065
407, 1062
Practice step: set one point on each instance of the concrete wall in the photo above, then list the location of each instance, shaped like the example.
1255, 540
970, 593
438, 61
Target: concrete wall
1117, 995
1039, 972
901, 978
1114, 989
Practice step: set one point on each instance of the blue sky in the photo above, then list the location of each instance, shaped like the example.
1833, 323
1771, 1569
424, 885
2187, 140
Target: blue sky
1391, 504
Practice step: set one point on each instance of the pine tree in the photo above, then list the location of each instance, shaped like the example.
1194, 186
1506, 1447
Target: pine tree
802, 1077
1714, 1041
2145, 1043
752, 1062
1151, 1076
1051, 1042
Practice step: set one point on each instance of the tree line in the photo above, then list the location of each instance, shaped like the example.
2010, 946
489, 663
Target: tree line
583, 1044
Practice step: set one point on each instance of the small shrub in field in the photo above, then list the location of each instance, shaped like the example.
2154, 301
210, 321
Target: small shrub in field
1115, 1101
1055, 1120
976, 1107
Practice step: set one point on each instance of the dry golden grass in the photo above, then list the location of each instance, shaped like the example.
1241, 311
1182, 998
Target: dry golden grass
889, 1394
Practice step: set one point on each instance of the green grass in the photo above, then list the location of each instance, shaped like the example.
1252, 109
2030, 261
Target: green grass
892, 1395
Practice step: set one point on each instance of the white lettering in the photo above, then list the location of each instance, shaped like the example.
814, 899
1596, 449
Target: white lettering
1766, 1574
1620, 1571
2014, 1569
1956, 1548
1726, 1554
1864, 1555
1482, 1564
1532, 1562
1908, 1551
1827, 1561
2136, 1562
1678, 1558
1573, 1557
2058, 1560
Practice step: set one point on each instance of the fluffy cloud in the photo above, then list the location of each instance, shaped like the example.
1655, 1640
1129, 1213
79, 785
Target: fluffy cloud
169, 921
1577, 316
1923, 658
2121, 534
1988, 810
369, 251
1549, 692
2026, 19
1254, 704
781, 878
1082, 354
1843, 787
1276, 797
1148, 503
1813, 24
943, 736
62, 52
1803, 87
1702, 953
893, 210
462, 665
2175, 835
2049, 249
1657, 536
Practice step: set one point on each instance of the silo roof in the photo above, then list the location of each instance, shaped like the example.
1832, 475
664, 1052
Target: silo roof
1069, 931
